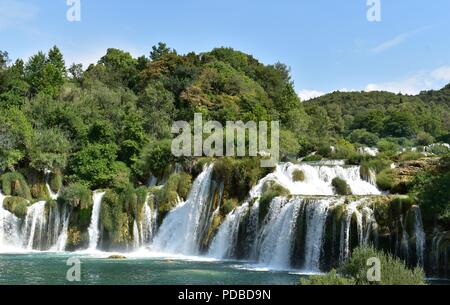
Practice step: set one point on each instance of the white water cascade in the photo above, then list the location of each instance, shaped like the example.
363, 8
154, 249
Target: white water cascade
316, 215
181, 229
420, 236
147, 225
35, 223
95, 218
318, 179
276, 238
9, 228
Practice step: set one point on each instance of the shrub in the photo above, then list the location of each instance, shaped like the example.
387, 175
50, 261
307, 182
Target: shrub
77, 195
16, 205
344, 150
387, 146
393, 270
56, 179
271, 189
385, 180
341, 187
331, 278
14, 184
410, 155
228, 206
298, 175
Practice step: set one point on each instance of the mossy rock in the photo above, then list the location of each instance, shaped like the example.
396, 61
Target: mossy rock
341, 187
385, 180
14, 184
298, 175
74, 238
16, 205
228, 206
77, 195
117, 257
56, 181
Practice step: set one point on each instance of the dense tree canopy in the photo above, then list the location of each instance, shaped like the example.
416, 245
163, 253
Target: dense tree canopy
116, 115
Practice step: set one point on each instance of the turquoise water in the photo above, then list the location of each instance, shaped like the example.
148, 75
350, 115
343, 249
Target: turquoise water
50, 268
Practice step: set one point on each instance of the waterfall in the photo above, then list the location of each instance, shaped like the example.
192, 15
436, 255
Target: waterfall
276, 239
95, 218
9, 228
35, 223
316, 215
147, 223
62, 238
136, 241
350, 212
318, 179
420, 235
224, 242
182, 228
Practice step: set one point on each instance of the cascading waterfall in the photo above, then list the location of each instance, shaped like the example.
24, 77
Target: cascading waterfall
276, 238
420, 235
223, 243
9, 228
35, 222
95, 218
147, 226
181, 229
316, 215
318, 179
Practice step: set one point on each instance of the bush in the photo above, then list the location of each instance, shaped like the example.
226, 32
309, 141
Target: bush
341, 187
410, 156
344, 150
76, 195
16, 205
298, 175
387, 146
331, 278
228, 206
362, 136
270, 190
393, 270
385, 180
14, 184
56, 181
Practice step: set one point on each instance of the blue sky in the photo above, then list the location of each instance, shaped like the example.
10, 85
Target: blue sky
328, 44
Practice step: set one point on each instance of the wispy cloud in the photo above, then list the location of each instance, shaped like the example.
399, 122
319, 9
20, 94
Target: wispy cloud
412, 84
416, 82
16, 13
386, 45
309, 94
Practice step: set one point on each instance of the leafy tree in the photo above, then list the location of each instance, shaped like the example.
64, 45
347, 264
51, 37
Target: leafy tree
15, 137
94, 164
49, 150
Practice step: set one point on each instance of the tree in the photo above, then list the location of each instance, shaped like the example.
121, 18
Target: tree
158, 108
399, 124
15, 137
94, 164
49, 150
159, 51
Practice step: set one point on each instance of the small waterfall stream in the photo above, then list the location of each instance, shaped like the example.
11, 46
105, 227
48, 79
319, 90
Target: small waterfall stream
94, 226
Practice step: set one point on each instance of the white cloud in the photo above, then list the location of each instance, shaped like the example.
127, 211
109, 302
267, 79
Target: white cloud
309, 94
442, 73
15, 13
415, 83
386, 45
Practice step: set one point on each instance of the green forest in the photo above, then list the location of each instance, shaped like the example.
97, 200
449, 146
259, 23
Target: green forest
108, 126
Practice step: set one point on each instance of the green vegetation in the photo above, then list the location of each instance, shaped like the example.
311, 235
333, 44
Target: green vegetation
16, 205
14, 184
298, 175
341, 187
354, 272
271, 190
